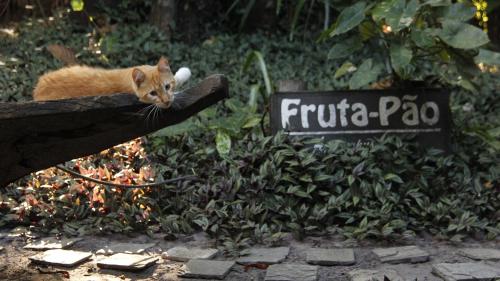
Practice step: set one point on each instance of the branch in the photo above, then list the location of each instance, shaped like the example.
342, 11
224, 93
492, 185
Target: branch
38, 135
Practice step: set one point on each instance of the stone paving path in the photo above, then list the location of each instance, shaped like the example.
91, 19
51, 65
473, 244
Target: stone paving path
195, 258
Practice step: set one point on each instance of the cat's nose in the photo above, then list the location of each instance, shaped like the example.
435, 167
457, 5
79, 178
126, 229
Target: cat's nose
164, 105
167, 103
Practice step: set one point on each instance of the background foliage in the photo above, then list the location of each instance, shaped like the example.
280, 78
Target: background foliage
260, 187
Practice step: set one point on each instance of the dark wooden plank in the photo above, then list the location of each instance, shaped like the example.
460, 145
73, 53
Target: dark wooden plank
361, 115
38, 135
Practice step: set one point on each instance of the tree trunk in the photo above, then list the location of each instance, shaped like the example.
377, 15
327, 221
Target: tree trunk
262, 15
163, 16
494, 26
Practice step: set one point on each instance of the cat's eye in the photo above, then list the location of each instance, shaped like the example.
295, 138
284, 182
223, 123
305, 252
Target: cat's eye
153, 93
167, 87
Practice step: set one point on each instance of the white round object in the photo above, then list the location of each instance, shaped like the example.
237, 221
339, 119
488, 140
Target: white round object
182, 75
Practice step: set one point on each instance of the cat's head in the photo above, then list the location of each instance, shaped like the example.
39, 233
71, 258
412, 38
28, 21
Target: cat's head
154, 84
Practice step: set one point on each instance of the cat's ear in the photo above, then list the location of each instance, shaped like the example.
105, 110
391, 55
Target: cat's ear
163, 65
138, 76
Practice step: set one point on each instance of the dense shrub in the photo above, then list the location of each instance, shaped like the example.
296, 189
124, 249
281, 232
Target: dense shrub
261, 186
270, 185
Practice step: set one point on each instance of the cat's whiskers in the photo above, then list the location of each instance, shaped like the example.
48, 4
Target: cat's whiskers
161, 112
152, 109
154, 112
144, 110
155, 115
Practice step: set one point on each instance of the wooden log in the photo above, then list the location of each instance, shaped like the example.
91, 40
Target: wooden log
38, 135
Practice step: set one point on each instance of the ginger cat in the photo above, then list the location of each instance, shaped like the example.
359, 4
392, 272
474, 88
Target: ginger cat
151, 84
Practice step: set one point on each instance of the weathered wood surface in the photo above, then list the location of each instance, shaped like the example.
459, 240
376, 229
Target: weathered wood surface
38, 135
292, 86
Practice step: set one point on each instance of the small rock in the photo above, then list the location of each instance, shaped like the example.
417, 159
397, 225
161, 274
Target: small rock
60, 257
17, 232
127, 248
411, 254
207, 269
466, 271
170, 237
265, 255
201, 237
321, 256
291, 272
52, 243
185, 254
21, 231
1, 249
371, 275
129, 262
481, 253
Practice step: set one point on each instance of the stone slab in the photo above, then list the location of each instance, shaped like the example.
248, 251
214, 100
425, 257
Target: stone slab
185, 254
291, 272
265, 255
394, 255
52, 243
338, 256
127, 248
481, 253
371, 275
207, 269
17, 232
467, 271
59, 257
128, 262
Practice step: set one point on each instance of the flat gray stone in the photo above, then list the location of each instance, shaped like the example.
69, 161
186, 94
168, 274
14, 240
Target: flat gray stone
9, 236
60, 257
52, 243
291, 272
128, 262
265, 255
207, 269
17, 233
466, 271
184, 254
481, 253
126, 248
371, 275
411, 254
322, 256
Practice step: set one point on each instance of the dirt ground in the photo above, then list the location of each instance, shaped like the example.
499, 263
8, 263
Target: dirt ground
15, 265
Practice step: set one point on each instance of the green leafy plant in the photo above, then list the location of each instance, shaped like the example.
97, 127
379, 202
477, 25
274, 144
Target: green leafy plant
257, 188
258, 58
411, 40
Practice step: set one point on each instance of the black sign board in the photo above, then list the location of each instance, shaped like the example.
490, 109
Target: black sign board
358, 115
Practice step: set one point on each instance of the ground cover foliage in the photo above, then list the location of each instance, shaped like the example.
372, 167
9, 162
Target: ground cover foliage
256, 187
